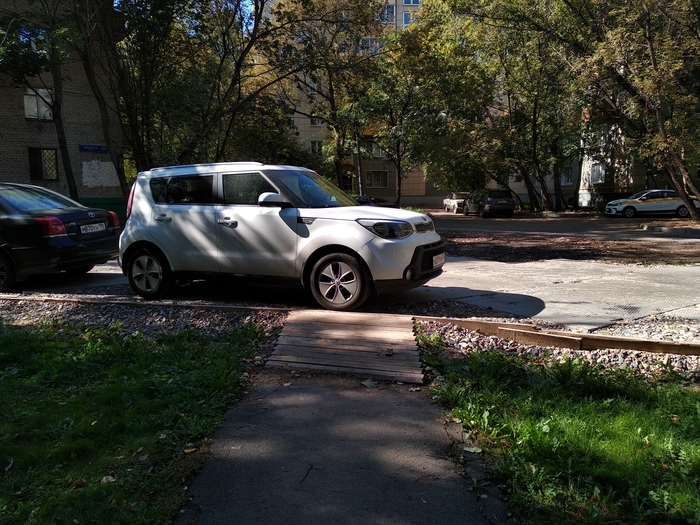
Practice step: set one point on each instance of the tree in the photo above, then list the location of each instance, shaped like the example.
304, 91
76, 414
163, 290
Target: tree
336, 42
450, 94
36, 46
637, 64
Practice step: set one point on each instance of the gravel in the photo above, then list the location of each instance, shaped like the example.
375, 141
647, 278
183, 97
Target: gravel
150, 319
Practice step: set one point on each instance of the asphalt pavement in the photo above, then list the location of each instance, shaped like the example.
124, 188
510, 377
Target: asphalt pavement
319, 450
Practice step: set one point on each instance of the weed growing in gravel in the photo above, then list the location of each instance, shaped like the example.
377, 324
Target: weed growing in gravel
576, 443
99, 427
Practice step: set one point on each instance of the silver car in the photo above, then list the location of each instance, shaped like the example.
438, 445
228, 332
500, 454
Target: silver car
266, 220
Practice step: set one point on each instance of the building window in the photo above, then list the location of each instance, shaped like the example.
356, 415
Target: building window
567, 176
408, 18
317, 148
316, 121
376, 179
43, 164
369, 46
377, 151
389, 15
411, 2
597, 173
37, 104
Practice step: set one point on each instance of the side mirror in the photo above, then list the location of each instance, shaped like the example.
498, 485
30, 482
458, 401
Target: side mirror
272, 200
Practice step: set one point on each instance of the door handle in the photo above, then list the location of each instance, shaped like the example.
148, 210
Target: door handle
163, 218
228, 222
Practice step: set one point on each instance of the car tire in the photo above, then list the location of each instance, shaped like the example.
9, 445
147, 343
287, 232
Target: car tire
149, 273
340, 282
629, 212
683, 212
8, 278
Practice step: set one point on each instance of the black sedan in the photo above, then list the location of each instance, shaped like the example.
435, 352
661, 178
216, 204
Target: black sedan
42, 231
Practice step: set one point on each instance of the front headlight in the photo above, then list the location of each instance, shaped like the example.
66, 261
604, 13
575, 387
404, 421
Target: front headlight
387, 229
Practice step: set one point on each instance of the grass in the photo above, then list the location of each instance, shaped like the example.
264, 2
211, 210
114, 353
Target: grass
100, 427
575, 443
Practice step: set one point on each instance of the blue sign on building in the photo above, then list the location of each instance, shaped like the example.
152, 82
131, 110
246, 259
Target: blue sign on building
84, 148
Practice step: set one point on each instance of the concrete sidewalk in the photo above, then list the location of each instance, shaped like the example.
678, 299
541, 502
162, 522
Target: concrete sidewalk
317, 450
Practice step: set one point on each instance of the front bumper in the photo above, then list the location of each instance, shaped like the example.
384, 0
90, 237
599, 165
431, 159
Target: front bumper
426, 264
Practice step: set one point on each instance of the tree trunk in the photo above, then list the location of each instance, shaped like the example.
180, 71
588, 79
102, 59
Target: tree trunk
531, 193
559, 202
57, 110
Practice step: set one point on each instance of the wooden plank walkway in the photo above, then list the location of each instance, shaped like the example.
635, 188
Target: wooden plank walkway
377, 346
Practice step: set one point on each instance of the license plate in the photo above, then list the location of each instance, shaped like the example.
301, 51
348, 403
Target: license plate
93, 228
438, 260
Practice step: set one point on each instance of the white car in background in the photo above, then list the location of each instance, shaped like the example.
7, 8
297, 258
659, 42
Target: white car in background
650, 202
454, 202
253, 219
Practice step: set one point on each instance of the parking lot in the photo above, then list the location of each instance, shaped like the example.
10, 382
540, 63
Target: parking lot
580, 295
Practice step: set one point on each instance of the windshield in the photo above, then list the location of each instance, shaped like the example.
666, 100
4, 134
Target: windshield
34, 199
312, 190
638, 194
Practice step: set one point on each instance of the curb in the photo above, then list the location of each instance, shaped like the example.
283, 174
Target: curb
684, 232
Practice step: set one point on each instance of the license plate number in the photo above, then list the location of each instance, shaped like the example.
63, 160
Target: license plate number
438, 260
93, 228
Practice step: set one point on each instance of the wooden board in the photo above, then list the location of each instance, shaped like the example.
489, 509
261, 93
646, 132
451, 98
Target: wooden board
377, 346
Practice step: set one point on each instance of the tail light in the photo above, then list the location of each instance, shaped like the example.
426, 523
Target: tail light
51, 226
130, 201
115, 219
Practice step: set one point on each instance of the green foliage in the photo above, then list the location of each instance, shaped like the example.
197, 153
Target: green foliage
579, 444
101, 426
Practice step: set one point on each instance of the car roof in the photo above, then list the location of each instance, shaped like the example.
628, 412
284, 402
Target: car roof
216, 167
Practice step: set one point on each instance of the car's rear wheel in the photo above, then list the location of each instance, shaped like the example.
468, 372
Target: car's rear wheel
682, 212
340, 282
149, 274
8, 279
629, 212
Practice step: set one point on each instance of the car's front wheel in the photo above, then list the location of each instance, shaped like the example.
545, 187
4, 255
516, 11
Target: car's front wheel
629, 212
8, 279
340, 282
682, 212
149, 274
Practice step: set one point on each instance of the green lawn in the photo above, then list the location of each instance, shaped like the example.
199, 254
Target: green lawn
101, 427
574, 443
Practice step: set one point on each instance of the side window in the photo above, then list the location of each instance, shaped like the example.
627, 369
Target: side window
183, 190
245, 188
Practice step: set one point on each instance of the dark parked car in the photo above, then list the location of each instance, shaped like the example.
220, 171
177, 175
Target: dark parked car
42, 231
487, 203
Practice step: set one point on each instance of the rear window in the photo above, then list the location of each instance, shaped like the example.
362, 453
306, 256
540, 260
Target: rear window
34, 199
499, 194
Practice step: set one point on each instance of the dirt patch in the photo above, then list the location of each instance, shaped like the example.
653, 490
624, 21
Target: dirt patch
509, 247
